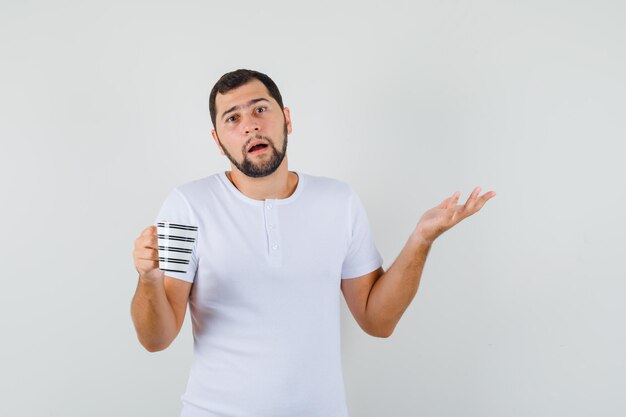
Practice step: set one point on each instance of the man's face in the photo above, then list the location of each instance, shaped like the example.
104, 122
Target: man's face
252, 129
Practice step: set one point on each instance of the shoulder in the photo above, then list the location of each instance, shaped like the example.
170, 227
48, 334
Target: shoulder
326, 185
195, 193
192, 189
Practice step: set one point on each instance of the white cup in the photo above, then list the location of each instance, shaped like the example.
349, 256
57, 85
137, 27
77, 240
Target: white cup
176, 242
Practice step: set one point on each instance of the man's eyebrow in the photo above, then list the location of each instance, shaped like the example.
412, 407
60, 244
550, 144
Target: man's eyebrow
248, 104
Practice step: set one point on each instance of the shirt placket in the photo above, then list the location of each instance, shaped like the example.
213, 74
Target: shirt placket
272, 232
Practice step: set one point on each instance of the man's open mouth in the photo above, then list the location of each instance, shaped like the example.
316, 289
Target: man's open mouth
257, 147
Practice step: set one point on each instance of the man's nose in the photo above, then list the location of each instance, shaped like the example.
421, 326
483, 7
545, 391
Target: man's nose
250, 125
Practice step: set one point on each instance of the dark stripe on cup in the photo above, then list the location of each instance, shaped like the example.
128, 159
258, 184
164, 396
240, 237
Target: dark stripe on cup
174, 260
178, 226
172, 249
179, 238
171, 270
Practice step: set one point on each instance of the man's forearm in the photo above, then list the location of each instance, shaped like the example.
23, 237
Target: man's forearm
392, 293
153, 316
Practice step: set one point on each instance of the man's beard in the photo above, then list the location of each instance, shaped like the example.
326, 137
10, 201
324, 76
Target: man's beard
262, 169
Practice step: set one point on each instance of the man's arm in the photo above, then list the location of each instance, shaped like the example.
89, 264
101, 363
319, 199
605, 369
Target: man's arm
160, 302
378, 300
158, 311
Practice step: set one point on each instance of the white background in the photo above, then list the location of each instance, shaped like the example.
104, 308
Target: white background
521, 308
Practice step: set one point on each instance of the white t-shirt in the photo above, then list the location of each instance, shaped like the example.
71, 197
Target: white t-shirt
265, 301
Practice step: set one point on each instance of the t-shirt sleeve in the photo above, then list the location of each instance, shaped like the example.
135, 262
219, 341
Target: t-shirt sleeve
176, 209
362, 256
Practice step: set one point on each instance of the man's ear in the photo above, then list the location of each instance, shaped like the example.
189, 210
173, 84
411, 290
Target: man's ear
287, 114
217, 142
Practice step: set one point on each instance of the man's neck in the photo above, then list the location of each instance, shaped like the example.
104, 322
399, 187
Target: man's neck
280, 184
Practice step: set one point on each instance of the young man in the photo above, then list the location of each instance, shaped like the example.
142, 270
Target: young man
274, 249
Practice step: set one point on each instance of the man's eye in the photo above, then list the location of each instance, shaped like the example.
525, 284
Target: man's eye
260, 109
230, 119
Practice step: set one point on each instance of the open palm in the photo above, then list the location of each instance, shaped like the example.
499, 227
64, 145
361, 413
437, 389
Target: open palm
438, 219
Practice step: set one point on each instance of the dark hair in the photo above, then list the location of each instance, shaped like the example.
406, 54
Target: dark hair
234, 79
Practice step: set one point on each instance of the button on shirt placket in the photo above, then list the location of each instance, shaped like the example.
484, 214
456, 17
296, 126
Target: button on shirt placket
272, 233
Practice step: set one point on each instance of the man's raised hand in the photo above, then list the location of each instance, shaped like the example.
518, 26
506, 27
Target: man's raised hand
438, 219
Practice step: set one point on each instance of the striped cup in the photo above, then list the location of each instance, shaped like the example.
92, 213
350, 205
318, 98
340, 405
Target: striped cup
176, 243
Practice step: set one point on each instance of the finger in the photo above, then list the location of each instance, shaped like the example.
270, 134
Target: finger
474, 194
481, 201
148, 230
444, 203
149, 255
467, 209
146, 257
455, 199
452, 203
146, 265
484, 198
152, 242
147, 241
472, 199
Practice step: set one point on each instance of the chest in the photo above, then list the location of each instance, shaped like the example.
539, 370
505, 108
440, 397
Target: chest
272, 249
